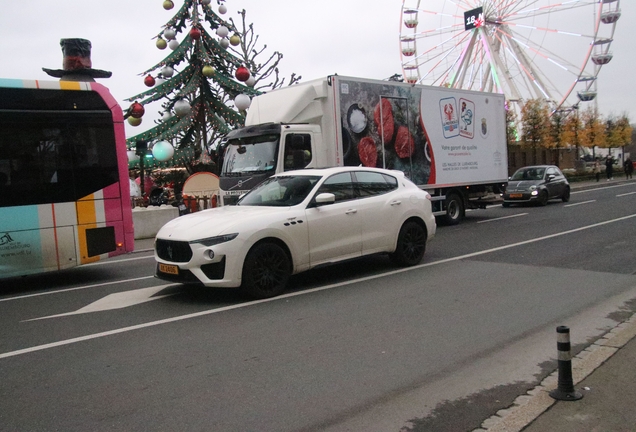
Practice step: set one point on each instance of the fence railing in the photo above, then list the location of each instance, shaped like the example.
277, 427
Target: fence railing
193, 203
197, 203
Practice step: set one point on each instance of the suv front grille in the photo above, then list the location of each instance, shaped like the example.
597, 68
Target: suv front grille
173, 251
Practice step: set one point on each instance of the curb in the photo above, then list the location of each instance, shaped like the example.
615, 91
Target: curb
526, 408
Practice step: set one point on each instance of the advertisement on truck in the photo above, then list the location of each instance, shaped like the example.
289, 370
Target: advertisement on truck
449, 142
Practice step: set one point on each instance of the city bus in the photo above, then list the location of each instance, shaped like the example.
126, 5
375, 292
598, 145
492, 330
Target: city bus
64, 187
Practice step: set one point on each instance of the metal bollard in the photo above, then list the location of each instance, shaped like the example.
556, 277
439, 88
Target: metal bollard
565, 388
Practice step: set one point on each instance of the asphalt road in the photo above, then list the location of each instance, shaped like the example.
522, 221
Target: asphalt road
355, 346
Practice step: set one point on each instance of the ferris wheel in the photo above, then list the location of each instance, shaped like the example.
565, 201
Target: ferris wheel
526, 49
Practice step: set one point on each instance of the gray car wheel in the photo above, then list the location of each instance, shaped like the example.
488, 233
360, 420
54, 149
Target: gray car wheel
566, 195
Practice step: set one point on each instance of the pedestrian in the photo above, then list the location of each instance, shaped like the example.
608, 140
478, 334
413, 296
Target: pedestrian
597, 169
609, 167
629, 167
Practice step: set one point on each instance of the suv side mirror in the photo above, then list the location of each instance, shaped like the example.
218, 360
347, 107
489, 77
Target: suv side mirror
325, 198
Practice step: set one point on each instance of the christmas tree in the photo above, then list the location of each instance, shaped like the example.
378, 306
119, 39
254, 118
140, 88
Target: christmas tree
204, 84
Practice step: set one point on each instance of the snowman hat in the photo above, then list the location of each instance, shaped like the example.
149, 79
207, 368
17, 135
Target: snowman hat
77, 64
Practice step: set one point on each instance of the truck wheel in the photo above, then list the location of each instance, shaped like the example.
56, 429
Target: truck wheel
454, 209
266, 271
411, 244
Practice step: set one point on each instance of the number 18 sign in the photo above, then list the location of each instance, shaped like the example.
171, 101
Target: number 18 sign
474, 18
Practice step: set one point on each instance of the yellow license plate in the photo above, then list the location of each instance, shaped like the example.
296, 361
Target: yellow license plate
170, 269
516, 195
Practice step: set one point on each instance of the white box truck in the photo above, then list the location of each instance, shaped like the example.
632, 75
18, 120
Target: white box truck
450, 142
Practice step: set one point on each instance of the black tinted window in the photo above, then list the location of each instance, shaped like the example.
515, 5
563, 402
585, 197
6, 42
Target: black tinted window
49, 155
372, 183
340, 185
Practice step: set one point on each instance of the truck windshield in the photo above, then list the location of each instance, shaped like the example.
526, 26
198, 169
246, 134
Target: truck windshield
250, 155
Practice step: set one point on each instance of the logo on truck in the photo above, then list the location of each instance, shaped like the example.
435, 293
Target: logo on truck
450, 120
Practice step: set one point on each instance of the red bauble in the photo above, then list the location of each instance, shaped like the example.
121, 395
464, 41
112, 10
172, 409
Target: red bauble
242, 74
195, 33
149, 80
136, 110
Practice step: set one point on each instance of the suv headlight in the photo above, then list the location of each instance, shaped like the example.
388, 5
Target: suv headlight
211, 241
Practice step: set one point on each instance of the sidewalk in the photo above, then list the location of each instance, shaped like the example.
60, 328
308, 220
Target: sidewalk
604, 373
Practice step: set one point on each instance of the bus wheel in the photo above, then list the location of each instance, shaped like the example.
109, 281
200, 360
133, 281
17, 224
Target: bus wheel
266, 271
454, 209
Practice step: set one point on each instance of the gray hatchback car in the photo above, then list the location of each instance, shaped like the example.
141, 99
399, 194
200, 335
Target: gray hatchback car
536, 184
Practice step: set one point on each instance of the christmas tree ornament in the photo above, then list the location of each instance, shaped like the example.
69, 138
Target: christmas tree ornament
235, 39
167, 4
224, 43
133, 121
169, 33
222, 31
161, 43
242, 74
167, 71
207, 71
195, 33
163, 151
242, 102
149, 81
136, 110
251, 81
222, 9
173, 44
182, 108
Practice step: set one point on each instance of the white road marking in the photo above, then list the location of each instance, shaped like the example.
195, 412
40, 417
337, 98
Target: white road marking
579, 203
117, 301
504, 217
76, 288
625, 194
295, 294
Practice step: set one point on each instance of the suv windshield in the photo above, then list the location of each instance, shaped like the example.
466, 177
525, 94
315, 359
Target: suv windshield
250, 155
280, 191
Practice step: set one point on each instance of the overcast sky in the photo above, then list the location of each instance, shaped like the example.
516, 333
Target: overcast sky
357, 38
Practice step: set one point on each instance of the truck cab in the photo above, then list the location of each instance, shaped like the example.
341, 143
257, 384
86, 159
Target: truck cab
252, 154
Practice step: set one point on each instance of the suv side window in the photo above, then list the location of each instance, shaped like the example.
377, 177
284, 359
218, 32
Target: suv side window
372, 183
340, 185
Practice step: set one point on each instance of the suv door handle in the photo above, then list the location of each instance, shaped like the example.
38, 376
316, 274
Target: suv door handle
351, 211
393, 203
